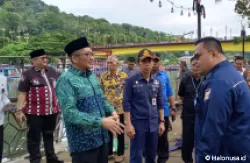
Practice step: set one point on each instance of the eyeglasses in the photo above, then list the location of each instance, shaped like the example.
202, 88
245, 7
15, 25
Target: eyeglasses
44, 58
198, 55
89, 54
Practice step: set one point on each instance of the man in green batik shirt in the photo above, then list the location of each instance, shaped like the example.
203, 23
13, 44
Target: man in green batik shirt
87, 113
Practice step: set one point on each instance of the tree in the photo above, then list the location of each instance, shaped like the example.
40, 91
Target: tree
242, 7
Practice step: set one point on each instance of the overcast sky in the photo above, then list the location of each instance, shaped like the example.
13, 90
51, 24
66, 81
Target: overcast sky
147, 14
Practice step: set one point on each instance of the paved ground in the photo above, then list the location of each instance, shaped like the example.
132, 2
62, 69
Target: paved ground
175, 157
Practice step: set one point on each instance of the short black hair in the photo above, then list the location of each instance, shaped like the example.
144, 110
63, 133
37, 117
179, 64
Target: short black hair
238, 58
193, 59
158, 55
210, 43
131, 59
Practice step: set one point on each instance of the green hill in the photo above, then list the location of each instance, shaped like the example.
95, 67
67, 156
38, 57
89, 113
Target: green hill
29, 24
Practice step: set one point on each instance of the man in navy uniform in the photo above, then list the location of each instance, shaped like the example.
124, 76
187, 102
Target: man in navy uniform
143, 106
222, 125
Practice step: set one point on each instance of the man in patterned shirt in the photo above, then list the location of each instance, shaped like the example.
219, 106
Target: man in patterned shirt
38, 99
112, 83
87, 113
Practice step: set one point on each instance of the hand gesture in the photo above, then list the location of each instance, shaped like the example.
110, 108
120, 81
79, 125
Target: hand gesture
130, 130
111, 124
116, 116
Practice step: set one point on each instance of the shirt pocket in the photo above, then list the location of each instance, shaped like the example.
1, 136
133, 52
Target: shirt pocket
37, 82
138, 89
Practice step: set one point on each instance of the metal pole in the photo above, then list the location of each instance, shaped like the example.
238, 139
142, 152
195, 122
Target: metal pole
199, 19
243, 43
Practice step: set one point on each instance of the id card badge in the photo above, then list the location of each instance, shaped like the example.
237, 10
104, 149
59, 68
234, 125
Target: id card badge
195, 98
195, 101
153, 101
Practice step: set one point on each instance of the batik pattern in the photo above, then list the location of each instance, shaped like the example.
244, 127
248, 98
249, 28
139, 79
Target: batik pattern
83, 105
113, 89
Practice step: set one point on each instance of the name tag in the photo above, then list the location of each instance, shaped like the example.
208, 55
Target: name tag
153, 101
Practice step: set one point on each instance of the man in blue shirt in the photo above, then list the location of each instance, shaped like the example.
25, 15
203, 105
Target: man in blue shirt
168, 96
222, 124
143, 106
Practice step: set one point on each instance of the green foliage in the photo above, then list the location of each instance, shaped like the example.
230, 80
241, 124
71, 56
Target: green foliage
242, 7
238, 40
39, 25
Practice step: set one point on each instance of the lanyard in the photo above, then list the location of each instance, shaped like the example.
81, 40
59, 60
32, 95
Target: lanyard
196, 88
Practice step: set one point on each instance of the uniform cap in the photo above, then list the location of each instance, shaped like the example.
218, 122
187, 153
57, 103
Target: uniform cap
145, 53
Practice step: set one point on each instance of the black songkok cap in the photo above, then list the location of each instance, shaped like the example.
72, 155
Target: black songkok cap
75, 45
37, 53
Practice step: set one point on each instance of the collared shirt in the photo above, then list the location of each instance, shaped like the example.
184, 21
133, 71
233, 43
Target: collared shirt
83, 106
222, 124
187, 89
246, 75
166, 89
40, 86
242, 72
130, 72
113, 89
183, 74
143, 99
4, 100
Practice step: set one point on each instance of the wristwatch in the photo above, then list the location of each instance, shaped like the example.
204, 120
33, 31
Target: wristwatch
174, 109
163, 121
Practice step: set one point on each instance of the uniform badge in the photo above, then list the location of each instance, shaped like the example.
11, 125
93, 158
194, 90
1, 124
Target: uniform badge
136, 82
35, 82
156, 82
207, 94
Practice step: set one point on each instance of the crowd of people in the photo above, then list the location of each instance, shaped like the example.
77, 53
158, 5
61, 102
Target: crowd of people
139, 101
